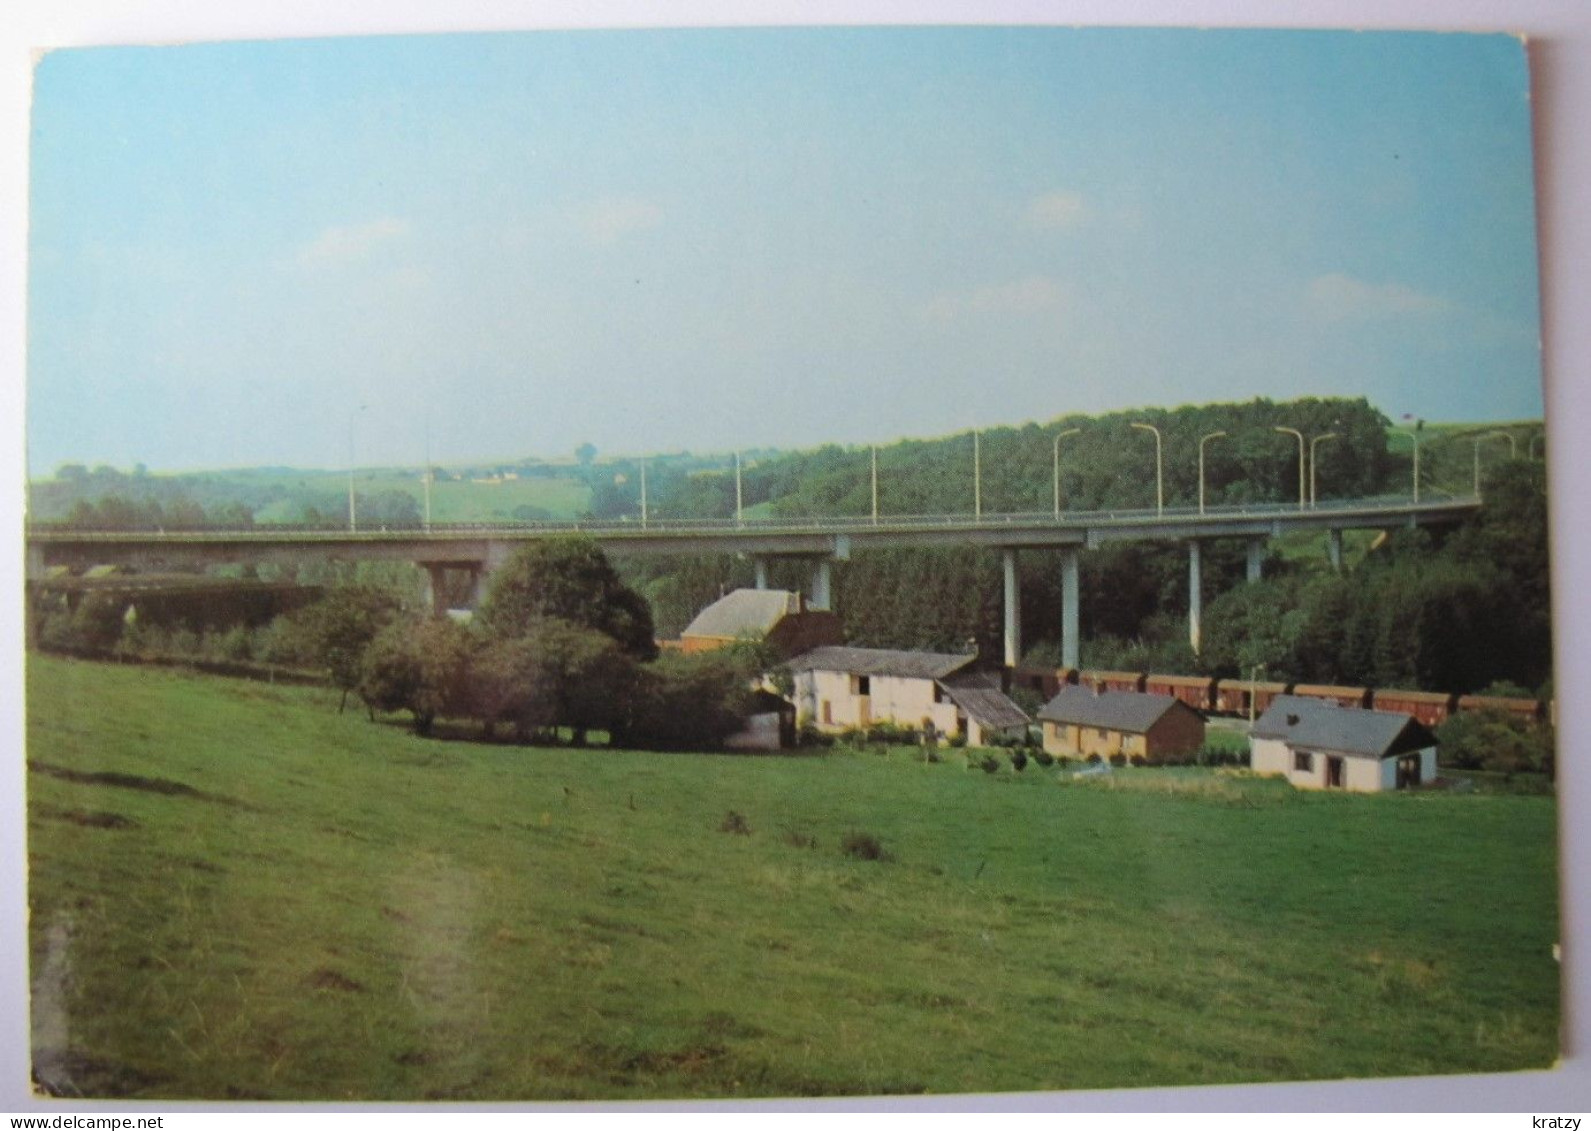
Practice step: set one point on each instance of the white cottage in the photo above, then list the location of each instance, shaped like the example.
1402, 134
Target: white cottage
840, 688
1317, 745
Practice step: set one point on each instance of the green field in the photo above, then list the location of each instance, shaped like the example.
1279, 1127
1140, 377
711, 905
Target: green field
238, 893
451, 500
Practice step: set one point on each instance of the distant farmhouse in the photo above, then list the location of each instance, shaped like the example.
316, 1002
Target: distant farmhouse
838, 688
774, 617
1317, 745
1080, 722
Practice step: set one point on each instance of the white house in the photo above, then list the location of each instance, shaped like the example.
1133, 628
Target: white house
838, 688
1318, 745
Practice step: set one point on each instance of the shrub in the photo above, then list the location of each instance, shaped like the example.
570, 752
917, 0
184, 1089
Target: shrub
736, 823
1118, 759
1139, 760
810, 735
1043, 757
863, 846
1094, 759
989, 763
1019, 760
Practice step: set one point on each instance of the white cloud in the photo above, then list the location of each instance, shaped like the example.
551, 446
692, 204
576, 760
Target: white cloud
1339, 298
611, 219
1036, 294
1056, 210
348, 243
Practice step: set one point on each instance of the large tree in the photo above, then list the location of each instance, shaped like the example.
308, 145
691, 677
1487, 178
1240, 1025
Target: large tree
567, 579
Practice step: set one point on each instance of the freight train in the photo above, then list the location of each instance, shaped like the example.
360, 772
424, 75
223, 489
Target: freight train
1249, 698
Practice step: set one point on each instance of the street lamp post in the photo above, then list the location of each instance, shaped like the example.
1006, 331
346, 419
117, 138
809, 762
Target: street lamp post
353, 520
1302, 498
643, 494
1203, 440
875, 484
428, 476
1415, 437
1314, 463
1530, 449
1160, 477
739, 498
1058, 435
977, 478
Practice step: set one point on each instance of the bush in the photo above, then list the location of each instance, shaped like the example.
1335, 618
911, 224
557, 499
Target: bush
1043, 757
1118, 759
1019, 760
1212, 755
863, 846
956, 741
989, 763
810, 735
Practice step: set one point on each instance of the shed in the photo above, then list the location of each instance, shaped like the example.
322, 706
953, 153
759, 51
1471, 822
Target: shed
1318, 745
1080, 722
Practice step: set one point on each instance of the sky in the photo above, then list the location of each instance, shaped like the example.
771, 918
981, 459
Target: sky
323, 252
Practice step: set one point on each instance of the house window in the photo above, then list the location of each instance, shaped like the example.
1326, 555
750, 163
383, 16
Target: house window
1303, 761
861, 685
939, 694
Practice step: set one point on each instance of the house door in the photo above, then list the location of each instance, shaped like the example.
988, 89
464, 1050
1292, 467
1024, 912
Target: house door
1334, 772
1408, 771
864, 712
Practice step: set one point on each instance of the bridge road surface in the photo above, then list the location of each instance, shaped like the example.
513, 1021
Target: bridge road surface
479, 549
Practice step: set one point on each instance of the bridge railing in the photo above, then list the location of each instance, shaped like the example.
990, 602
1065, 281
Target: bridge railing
629, 525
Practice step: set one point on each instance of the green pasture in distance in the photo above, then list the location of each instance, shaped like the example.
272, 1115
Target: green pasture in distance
451, 500
238, 893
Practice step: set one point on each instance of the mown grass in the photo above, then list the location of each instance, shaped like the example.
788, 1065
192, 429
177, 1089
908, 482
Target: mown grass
236, 892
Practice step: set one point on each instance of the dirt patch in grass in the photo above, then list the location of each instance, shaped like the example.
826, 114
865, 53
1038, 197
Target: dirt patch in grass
328, 979
130, 781
68, 1074
88, 820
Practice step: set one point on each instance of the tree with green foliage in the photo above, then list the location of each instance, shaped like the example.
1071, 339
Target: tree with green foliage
567, 579
338, 628
689, 701
421, 666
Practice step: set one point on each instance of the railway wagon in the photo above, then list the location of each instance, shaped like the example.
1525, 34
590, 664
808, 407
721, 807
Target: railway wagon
1112, 681
1046, 681
1196, 691
1330, 693
1246, 696
1431, 707
1531, 710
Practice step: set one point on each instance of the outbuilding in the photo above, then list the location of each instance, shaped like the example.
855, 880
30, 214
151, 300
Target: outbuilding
839, 688
1318, 745
776, 618
1080, 722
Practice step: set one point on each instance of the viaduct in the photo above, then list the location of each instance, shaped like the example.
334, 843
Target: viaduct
480, 549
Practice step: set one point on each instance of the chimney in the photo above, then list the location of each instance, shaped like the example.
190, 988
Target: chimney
1292, 720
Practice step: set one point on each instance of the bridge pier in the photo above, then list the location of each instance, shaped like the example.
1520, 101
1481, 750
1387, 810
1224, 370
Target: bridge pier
435, 587
34, 568
1334, 548
760, 565
1013, 609
1256, 558
1195, 594
1069, 608
821, 585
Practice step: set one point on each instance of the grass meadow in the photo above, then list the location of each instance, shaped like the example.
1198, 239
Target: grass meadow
238, 893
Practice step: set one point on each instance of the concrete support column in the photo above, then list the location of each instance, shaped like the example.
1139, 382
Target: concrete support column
1195, 594
1256, 558
34, 568
761, 566
479, 578
821, 579
1334, 548
1069, 628
1013, 609
435, 588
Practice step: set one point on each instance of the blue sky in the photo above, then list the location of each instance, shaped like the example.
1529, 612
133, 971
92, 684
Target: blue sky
708, 239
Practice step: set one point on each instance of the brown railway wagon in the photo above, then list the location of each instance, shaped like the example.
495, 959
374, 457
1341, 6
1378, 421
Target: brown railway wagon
1246, 696
1329, 693
1531, 710
1046, 681
1431, 707
1112, 681
1196, 691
